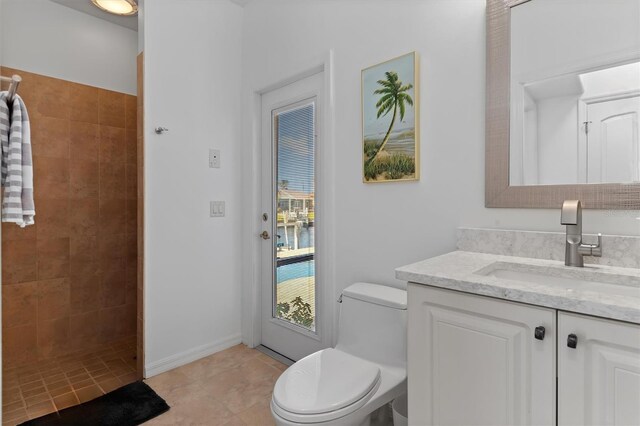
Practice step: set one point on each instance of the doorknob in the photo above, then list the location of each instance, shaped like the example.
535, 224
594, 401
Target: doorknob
265, 235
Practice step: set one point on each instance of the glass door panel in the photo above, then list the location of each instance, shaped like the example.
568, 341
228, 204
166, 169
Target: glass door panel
294, 268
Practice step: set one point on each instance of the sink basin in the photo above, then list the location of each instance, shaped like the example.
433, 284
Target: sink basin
571, 280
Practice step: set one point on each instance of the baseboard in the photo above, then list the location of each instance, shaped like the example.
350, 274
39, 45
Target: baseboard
275, 355
182, 358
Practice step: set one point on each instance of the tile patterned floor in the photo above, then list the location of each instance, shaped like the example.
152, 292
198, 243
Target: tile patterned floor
36, 389
232, 387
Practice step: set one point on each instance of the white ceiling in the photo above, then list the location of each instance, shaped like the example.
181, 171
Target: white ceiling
126, 21
86, 6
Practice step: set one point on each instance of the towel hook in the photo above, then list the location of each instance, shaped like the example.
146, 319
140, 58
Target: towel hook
14, 81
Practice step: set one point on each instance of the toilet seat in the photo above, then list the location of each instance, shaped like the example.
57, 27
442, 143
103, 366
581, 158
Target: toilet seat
323, 386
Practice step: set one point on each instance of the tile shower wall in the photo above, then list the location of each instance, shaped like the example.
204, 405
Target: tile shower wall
69, 282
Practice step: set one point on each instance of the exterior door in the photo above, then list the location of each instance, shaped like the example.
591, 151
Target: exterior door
476, 361
599, 378
291, 308
613, 146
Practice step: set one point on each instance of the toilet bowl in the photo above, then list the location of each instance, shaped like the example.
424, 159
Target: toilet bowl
365, 370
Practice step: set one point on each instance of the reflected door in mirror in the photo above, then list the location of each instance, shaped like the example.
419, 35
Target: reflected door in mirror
611, 130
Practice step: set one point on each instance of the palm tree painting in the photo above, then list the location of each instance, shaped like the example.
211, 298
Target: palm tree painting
390, 130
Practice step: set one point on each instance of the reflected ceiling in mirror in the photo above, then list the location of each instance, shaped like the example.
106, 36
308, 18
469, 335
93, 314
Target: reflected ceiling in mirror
575, 92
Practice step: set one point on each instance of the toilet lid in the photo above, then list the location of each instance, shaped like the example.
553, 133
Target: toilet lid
325, 381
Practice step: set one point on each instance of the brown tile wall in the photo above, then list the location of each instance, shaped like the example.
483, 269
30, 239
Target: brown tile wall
70, 281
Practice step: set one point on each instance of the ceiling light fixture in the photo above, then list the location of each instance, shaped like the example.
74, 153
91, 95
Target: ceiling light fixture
117, 7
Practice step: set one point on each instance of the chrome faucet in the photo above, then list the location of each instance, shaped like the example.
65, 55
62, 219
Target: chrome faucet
575, 250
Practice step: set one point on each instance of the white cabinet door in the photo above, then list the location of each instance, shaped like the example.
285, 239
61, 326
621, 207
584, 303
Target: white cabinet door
474, 360
599, 379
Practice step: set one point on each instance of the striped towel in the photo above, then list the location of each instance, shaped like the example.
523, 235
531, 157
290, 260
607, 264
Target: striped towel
17, 165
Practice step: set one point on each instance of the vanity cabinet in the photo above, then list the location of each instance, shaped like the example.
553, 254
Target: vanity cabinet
599, 379
477, 360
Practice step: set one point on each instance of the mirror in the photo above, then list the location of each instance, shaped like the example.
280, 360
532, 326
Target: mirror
575, 92
563, 103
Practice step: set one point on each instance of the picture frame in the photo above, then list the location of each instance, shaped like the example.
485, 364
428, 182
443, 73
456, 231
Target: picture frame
390, 114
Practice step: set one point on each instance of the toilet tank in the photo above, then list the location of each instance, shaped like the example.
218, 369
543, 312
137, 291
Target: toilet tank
373, 323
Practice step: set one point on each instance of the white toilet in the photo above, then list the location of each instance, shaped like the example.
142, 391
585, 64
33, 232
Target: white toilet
366, 369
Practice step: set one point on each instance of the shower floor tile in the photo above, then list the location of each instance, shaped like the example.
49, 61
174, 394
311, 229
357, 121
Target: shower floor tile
43, 387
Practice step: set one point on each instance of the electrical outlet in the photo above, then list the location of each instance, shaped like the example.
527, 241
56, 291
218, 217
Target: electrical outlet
216, 208
214, 158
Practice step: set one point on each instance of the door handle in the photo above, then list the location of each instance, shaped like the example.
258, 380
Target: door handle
265, 235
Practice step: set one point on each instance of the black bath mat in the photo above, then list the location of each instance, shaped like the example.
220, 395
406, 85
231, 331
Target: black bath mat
130, 405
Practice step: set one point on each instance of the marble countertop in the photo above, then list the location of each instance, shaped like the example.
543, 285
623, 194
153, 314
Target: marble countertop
618, 298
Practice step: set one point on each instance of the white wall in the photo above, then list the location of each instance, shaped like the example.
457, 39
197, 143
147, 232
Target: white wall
612, 81
193, 263
529, 146
141, 9
380, 227
46, 38
557, 121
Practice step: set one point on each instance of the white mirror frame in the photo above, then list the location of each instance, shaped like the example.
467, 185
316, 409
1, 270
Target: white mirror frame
498, 192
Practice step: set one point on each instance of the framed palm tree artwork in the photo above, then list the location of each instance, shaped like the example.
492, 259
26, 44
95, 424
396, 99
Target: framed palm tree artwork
390, 121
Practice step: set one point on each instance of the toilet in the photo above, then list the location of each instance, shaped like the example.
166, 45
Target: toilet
366, 370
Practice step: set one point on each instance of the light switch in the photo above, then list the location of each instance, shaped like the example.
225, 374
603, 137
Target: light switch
214, 158
216, 209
